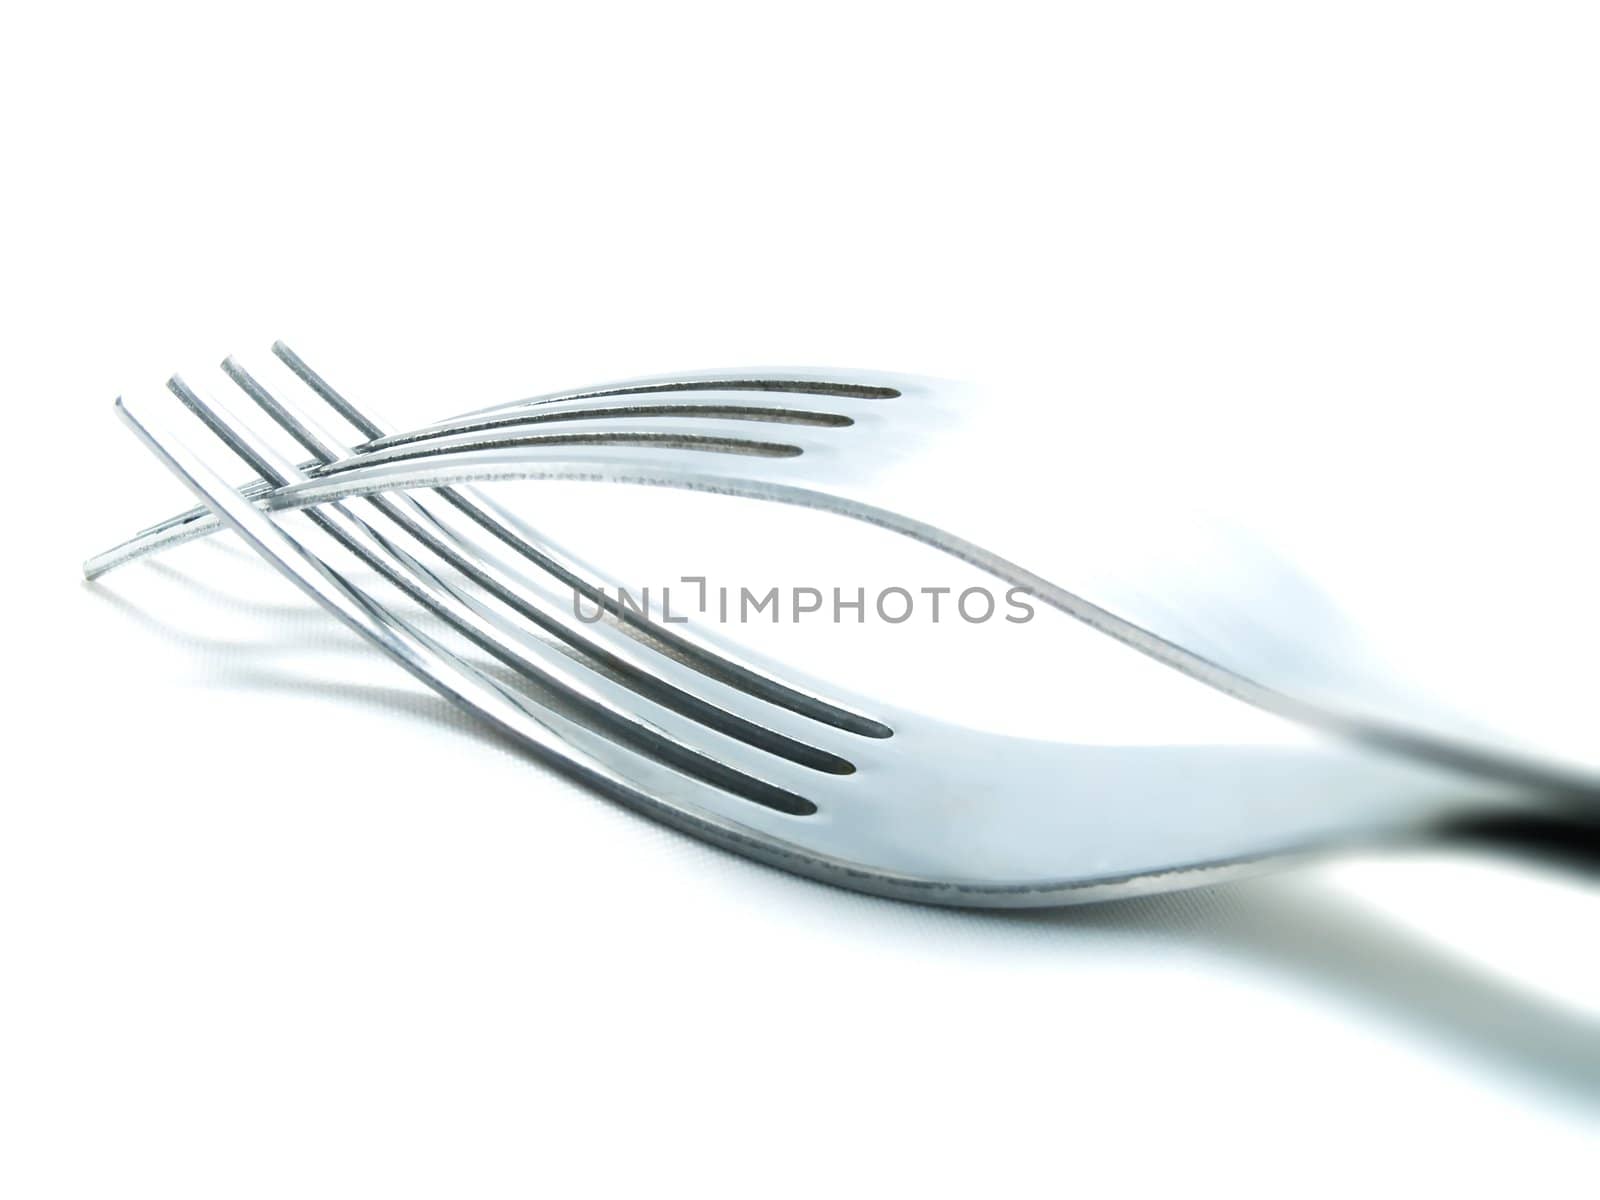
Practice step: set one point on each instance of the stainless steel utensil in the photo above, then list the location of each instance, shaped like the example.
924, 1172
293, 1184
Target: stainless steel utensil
769, 764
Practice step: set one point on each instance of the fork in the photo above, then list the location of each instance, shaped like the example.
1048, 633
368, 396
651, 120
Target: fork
899, 803
890, 449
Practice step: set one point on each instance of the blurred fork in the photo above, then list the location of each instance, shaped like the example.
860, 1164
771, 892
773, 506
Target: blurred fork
910, 454
923, 810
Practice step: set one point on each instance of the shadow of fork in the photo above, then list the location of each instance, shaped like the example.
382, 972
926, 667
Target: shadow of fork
1293, 927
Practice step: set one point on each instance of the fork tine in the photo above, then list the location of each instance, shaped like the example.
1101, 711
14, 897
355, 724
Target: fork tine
800, 383
705, 435
557, 413
368, 426
641, 668
598, 698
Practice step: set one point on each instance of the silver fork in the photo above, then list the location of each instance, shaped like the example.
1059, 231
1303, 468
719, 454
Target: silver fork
897, 451
924, 810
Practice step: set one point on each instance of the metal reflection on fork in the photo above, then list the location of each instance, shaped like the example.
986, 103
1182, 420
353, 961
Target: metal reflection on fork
830, 785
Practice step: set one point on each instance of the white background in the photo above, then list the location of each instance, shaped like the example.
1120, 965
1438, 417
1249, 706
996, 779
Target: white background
275, 922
